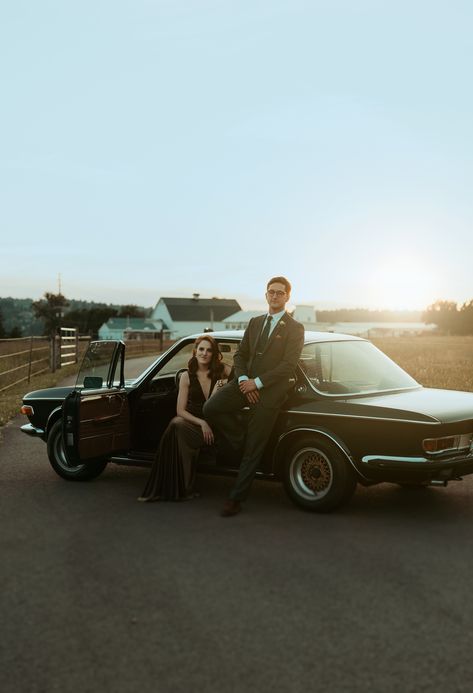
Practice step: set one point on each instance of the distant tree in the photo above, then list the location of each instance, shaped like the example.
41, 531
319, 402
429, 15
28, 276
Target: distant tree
131, 311
466, 318
50, 310
445, 315
16, 332
2, 327
89, 320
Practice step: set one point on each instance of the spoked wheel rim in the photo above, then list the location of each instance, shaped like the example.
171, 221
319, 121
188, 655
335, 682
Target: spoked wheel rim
311, 473
61, 459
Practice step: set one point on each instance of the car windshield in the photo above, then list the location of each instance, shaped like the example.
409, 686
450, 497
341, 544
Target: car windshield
351, 367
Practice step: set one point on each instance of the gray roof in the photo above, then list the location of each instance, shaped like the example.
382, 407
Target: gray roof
199, 310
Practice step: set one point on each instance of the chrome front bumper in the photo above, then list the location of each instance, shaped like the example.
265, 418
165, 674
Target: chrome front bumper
31, 430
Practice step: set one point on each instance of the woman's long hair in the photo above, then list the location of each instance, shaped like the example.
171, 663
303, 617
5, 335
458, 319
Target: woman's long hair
216, 366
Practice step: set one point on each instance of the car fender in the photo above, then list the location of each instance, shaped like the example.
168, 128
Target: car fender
286, 438
52, 418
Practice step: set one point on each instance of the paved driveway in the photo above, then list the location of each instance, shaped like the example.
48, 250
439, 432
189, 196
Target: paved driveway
101, 593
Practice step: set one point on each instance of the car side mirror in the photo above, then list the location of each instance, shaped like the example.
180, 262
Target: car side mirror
93, 382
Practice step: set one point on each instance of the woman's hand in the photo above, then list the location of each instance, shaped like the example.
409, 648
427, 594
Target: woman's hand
220, 383
207, 433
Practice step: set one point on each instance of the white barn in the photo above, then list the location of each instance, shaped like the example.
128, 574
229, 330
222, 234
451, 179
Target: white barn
184, 316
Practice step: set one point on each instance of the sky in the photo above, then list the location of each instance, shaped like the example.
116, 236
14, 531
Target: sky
164, 147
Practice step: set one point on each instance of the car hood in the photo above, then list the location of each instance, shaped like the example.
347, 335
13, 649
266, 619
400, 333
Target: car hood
49, 393
444, 406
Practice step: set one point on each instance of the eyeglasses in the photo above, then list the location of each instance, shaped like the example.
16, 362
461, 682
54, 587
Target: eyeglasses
271, 292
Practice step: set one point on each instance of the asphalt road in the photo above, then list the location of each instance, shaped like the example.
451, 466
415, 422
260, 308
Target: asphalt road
102, 593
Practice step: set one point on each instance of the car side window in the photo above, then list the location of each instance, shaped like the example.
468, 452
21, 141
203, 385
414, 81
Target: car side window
228, 350
351, 367
176, 362
310, 362
96, 365
325, 367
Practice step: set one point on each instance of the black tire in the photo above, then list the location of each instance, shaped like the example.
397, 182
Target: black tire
58, 460
317, 475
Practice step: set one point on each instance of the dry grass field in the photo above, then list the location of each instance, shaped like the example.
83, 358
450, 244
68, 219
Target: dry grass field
11, 400
445, 362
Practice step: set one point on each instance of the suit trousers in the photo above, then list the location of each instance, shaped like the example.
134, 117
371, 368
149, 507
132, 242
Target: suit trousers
220, 411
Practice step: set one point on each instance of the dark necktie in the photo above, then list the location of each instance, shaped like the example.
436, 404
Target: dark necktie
264, 336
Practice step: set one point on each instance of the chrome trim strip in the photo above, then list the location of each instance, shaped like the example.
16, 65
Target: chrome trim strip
44, 399
205, 469
388, 458
327, 435
356, 416
367, 393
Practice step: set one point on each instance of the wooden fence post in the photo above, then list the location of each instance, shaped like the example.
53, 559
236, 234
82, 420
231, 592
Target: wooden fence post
29, 360
53, 353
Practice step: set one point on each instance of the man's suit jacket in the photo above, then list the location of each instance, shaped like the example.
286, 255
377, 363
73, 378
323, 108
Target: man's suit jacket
278, 361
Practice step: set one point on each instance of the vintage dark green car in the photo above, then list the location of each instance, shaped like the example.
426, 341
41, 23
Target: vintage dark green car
352, 416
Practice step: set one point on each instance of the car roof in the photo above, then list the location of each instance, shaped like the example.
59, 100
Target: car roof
310, 336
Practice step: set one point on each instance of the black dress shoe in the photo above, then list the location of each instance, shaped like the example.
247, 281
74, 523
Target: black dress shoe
231, 507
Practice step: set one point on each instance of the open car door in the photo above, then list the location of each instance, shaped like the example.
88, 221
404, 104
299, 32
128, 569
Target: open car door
96, 417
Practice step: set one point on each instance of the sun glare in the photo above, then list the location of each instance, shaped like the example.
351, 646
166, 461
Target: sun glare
402, 283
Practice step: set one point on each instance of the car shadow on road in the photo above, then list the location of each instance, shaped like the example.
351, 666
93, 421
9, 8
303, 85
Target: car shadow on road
435, 504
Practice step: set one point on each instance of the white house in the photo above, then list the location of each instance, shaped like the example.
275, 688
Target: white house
307, 316
136, 328
184, 316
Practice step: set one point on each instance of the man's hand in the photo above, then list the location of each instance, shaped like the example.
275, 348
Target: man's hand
253, 397
249, 389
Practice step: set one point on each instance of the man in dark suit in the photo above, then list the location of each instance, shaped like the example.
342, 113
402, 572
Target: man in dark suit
264, 363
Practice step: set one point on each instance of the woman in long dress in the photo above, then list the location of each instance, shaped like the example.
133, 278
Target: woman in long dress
173, 473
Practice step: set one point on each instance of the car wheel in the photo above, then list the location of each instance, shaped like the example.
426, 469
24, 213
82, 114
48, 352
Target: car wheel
317, 476
58, 459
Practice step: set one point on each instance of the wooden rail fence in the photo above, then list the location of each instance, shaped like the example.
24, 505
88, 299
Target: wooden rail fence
24, 357
144, 347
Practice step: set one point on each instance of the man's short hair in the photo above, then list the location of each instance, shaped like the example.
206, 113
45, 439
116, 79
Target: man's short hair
280, 280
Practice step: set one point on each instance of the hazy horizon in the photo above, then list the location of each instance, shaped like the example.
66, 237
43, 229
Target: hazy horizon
246, 303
